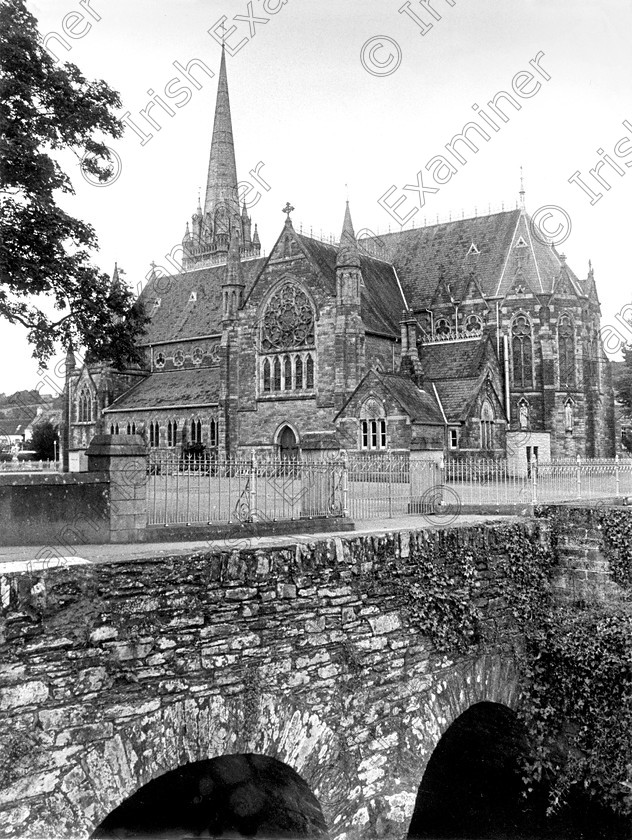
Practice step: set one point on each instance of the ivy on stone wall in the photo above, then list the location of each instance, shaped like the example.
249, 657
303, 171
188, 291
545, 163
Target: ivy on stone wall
616, 526
441, 591
578, 704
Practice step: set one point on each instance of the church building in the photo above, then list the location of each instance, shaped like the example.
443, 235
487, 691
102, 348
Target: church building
471, 338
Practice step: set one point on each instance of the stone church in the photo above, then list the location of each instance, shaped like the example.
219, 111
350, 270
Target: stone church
468, 338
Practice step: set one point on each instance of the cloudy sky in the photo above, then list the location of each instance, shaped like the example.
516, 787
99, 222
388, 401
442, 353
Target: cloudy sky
332, 98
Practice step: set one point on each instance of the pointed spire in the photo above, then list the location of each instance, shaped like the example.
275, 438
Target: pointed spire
255, 238
115, 283
521, 193
348, 254
71, 362
221, 185
187, 234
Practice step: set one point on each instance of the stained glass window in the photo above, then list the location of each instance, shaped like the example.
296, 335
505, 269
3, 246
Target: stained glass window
288, 321
566, 345
522, 352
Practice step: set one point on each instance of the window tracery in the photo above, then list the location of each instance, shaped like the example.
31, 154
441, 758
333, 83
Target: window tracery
84, 406
566, 347
287, 326
522, 352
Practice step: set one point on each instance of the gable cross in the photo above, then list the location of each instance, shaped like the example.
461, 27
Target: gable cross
288, 209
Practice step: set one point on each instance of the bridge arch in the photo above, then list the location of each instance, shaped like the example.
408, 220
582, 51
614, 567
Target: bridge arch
433, 705
150, 742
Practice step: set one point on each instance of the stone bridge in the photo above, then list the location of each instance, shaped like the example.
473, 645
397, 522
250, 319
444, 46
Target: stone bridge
303, 667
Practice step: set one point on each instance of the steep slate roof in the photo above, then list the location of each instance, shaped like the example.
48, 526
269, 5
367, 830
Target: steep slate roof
420, 405
171, 388
176, 318
381, 300
457, 370
453, 360
418, 255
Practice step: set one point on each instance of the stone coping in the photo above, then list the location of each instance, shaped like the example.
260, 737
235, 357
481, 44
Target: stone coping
39, 478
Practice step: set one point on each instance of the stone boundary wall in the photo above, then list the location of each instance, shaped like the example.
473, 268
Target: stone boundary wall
54, 510
112, 674
584, 572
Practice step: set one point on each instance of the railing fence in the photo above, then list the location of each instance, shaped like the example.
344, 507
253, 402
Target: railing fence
205, 489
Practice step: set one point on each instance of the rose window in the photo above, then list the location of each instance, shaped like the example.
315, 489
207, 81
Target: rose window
288, 322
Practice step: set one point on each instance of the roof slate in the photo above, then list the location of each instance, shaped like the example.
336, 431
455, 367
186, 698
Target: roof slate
420, 405
419, 256
453, 360
175, 387
178, 317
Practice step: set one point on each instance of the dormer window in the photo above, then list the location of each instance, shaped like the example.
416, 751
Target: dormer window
178, 358
159, 360
198, 355
193, 297
521, 243
473, 250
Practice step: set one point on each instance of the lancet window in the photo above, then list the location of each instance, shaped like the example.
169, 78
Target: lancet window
522, 352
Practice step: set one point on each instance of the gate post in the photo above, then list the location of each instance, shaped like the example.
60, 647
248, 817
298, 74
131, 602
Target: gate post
126, 461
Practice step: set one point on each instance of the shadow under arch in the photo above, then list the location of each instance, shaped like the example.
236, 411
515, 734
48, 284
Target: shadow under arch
239, 795
472, 784
154, 742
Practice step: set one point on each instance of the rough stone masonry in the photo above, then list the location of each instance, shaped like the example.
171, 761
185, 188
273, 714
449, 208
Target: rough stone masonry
112, 674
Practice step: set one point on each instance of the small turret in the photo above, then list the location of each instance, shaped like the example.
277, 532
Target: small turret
245, 227
348, 272
256, 244
233, 284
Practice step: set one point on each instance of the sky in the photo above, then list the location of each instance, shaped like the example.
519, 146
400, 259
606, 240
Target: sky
335, 100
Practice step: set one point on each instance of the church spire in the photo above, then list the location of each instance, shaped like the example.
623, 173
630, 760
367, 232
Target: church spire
348, 254
221, 184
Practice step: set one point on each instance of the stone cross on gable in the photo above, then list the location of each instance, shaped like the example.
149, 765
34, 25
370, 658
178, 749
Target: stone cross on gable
288, 209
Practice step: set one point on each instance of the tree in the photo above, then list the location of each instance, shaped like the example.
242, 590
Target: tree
45, 437
623, 382
46, 110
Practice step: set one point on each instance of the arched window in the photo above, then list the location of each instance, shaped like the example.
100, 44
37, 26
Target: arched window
473, 325
133, 428
566, 350
129, 428
277, 374
196, 431
372, 425
169, 434
266, 375
116, 428
287, 374
442, 328
112, 429
212, 436
154, 435
298, 380
310, 372
84, 406
487, 426
522, 352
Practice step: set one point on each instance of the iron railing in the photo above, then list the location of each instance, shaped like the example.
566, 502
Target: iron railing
205, 488
209, 489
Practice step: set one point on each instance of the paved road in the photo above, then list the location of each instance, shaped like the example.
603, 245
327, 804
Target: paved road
25, 558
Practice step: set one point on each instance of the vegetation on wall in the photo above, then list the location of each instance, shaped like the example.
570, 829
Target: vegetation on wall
616, 528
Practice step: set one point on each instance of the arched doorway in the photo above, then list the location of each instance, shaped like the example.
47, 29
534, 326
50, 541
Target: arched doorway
233, 796
288, 444
472, 786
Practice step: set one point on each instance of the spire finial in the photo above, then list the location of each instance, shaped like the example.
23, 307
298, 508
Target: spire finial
288, 209
521, 189
348, 255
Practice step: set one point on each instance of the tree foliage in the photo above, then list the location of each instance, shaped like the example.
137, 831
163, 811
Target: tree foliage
44, 438
623, 382
46, 110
